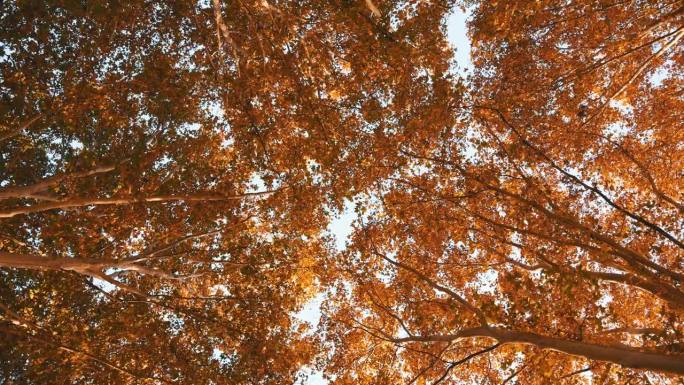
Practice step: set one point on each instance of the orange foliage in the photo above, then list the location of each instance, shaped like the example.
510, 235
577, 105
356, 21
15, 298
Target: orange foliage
169, 170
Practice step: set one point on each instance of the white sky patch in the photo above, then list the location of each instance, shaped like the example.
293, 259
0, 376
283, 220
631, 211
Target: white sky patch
190, 128
617, 130
222, 357
214, 109
457, 34
256, 183
624, 108
176, 323
662, 73
6, 52
340, 228
341, 225
311, 312
104, 285
605, 299
76, 145
314, 377
204, 4
486, 282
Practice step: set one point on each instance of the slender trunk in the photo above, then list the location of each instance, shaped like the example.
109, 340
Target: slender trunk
624, 356
80, 202
36, 262
31, 190
81, 266
621, 355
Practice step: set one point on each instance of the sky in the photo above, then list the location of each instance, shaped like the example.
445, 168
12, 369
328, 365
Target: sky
341, 226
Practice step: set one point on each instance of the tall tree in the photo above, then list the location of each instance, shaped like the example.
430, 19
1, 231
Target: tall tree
539, 239
167, 170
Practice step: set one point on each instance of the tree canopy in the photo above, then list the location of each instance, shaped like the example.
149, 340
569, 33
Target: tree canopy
169, 172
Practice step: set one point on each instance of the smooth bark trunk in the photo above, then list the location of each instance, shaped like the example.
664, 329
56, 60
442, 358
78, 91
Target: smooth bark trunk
625, 356
81, 202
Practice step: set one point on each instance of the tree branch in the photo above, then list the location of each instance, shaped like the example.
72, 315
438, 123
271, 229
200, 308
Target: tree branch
19, 129
81, 202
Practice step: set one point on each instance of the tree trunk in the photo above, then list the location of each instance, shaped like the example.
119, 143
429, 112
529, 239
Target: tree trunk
621, 355
36, 262
81, 202
624, 356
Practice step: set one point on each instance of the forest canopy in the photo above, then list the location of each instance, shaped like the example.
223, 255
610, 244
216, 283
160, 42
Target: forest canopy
169, 172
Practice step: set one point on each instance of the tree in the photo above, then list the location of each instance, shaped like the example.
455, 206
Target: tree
168, 170
539, 239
